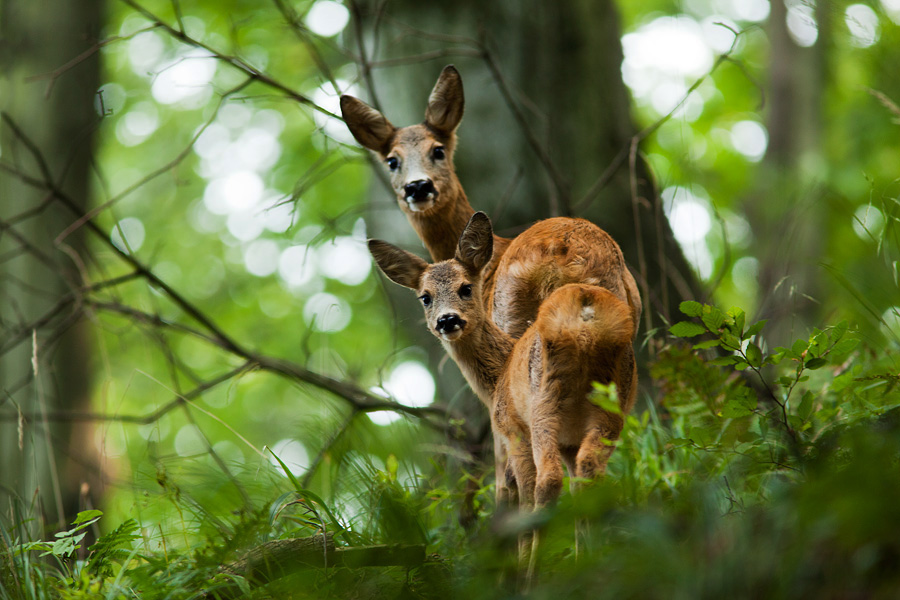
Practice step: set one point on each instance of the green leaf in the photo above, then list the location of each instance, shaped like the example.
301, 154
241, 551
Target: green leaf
843, 347
754, 355
774, 359
838, 331
755, 328
110, 547
745, 447
304, 492
606, 397
817, 343
87, 515
66, 546
702, 436
739, 317
786, 352
741, 404
806, 406
392, 465
685, 329
795, 423
706, 345
287, 472
724, 361
816, 363
712, 317
763, 427
731, 342
607, 404
691, 308
841, 382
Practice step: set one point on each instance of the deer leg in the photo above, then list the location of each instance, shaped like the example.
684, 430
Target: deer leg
522, 466
547, 459
590, 463
596, 449
569, 455
548, 465
507, 490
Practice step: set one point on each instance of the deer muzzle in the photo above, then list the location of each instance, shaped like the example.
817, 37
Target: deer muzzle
420, 190
450, 326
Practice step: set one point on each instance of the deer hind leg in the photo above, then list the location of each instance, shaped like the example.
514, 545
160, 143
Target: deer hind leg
548, 464
590, 464
596, 447
569, 455
507, 490
547, 457
521, 465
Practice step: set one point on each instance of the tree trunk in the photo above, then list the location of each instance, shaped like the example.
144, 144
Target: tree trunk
785, 212
546, 114
58, 116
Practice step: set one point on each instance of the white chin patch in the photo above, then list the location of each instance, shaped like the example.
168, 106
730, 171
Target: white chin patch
451, 335
419, 206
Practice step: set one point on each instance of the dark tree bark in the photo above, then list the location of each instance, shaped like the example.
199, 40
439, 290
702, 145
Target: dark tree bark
547, 114
57, 114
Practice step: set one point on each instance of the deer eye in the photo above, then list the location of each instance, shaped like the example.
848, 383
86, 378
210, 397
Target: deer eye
426, 300
392, 163
438, 153
465, 291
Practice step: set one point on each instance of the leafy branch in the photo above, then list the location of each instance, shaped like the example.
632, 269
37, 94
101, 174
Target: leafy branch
741, 347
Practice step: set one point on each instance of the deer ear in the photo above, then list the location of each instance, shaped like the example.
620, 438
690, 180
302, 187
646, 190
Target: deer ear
400, 266
368, 126
476, 244
446, 103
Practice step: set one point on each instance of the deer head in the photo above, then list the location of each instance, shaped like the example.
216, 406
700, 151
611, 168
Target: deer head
419, 158
450, 291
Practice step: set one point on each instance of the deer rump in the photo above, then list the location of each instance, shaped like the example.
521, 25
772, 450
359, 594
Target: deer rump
548, 255
582, 334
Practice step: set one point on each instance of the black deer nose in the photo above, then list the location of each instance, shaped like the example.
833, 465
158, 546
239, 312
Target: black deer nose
449, 322
419, 190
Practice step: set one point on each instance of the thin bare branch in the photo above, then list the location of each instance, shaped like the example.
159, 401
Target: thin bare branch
236, 62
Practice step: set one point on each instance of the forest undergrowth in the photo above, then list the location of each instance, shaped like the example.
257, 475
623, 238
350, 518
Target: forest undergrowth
759, 473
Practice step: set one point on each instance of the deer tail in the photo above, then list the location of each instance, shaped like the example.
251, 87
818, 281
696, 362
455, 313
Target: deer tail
585, 317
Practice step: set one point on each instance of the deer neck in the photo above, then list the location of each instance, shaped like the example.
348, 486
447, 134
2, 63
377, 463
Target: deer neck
482, 356
440, 229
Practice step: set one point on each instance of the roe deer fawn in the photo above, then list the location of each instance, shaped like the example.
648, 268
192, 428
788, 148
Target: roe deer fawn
524, 271
536, 387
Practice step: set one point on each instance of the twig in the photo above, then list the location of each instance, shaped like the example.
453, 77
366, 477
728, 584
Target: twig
561, 187
78, 223
72, 416
234, 61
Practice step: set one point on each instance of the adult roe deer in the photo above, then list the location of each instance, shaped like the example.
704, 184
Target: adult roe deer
537, 387
548, 255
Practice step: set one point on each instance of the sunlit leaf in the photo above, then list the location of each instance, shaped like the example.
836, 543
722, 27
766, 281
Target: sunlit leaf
706, 345
685, 329
691, 308
754, 355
